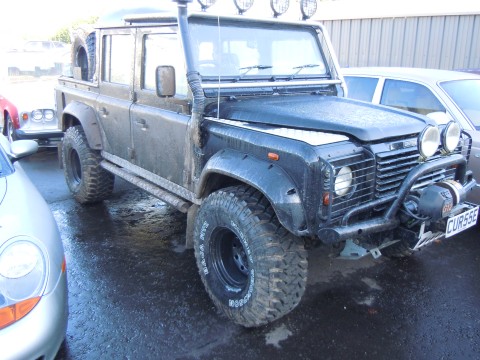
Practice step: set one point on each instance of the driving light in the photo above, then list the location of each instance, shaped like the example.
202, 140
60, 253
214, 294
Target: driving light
49, 114
451, 136
308, 8
205, 4
343, 181
428, 141
37, 115
243, 5
279, 7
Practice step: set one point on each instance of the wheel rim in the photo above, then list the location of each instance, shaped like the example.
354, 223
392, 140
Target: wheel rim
230, 260
75, 167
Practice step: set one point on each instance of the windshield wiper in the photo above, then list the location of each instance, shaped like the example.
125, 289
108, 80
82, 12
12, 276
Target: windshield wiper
249, 68
300, 68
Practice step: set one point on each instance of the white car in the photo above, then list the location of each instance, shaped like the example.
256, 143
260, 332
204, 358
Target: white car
33, 280
440, 94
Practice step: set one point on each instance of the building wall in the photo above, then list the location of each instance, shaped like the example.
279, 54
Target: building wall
441, 42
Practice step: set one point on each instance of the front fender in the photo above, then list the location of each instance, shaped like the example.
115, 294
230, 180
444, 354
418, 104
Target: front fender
268, 178
87, 117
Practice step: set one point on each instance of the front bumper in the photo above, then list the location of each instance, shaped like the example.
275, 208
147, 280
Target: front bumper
390, 220
41, 332
38, 134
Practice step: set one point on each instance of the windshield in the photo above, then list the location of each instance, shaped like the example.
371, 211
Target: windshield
232, 50
466, 94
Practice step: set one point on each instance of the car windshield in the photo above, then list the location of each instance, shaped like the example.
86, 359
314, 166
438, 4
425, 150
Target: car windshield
232, 50
465, 93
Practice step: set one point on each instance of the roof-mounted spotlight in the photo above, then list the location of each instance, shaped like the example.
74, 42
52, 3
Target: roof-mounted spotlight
243, 5
279, 7
205, 4
308, 8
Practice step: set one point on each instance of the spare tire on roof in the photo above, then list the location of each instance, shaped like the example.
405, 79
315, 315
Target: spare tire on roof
83, 53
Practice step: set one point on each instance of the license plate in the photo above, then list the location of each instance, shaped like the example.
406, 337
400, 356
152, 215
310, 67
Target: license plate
461, 222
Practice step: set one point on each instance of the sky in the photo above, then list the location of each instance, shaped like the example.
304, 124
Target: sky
37, 20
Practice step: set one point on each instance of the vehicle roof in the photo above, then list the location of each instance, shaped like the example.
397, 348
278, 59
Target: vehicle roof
418, 74
167, 13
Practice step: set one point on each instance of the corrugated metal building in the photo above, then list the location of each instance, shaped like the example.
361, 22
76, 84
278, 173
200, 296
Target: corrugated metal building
404, 33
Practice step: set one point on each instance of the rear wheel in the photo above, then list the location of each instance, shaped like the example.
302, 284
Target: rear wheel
86, 179
252, 268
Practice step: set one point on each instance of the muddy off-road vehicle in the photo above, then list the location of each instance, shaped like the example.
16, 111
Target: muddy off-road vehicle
242, 124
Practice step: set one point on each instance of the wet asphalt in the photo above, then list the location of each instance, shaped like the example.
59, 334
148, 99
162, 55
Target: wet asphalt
135, 293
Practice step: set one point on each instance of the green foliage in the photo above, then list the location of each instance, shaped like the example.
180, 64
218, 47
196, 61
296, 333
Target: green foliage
64, 33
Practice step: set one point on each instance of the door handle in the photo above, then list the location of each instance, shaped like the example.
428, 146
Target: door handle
103, 111
142, 123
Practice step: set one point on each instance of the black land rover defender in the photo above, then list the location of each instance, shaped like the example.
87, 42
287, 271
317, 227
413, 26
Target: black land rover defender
242, 124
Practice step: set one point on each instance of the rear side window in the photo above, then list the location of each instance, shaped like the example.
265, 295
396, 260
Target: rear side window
118, 58
361, 88
410, 96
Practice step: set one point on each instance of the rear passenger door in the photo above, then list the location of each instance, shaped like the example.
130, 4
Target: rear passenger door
159, 124
117, 51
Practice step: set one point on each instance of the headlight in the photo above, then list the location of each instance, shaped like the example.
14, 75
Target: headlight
49, 114
451, 136
428, 141
206, 3
279, 7
343, 181
22, 271
308, 8
243, 5
37, 115
23, 274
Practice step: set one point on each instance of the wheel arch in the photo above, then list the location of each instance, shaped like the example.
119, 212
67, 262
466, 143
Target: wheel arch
229, 167
77, 113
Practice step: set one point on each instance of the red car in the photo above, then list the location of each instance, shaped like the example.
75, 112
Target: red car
9, 119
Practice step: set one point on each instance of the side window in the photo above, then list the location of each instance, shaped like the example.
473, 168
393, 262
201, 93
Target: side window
117, 58
410, 96
361, 88
163, 49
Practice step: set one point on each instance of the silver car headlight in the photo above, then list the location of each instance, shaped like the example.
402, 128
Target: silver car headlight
343, 181
23, 274
428, 141
49, 114
451, 136
37, 115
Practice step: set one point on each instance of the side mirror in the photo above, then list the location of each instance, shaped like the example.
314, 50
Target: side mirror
22, 148
165, 80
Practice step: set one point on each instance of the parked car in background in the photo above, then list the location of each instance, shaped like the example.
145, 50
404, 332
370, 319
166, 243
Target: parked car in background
33, 283
38, 57
9, 118
31, 117
440, 94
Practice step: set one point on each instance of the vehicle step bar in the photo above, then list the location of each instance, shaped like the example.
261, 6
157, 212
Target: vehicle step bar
155, 190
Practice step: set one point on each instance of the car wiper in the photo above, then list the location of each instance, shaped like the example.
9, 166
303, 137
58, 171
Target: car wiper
300, 68
249, 68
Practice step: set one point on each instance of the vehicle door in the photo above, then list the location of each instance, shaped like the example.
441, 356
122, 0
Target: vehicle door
117, 51
159, 124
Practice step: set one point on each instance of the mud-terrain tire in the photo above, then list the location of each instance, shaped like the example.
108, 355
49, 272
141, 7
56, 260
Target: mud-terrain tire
253, 269
86, 179
9, 129
400, 249
83, 53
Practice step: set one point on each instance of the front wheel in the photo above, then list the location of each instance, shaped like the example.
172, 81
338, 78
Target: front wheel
9, 131
252, 268
86, 179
